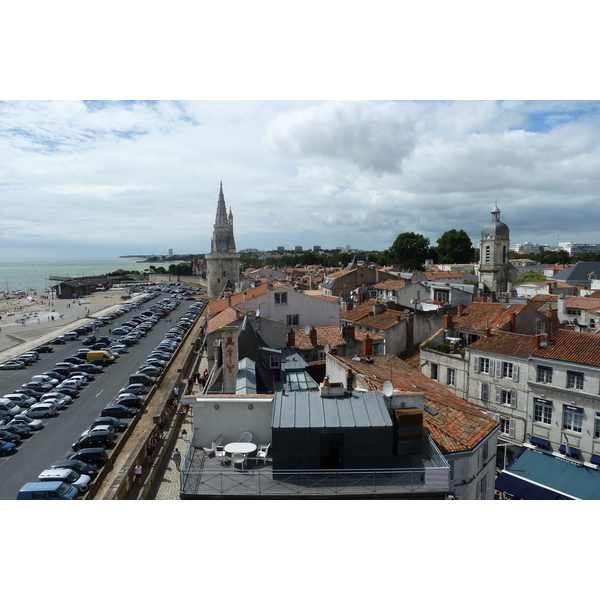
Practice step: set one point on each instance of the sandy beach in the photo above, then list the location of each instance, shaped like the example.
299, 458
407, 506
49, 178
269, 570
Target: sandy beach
26, 324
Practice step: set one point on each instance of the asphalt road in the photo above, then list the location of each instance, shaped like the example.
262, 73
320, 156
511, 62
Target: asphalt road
54, 441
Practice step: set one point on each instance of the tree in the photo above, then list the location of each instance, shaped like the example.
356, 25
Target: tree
530, 276
455, 247
409, 250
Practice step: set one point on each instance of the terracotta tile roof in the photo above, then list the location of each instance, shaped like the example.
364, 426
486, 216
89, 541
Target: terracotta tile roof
216, 306
320, 295
506, 343
496, 315
383, 321
360, 311
435, 275
337, 274
595, 294
328, 334
225, 317
582, 302
457, 427
390, 284
573, 346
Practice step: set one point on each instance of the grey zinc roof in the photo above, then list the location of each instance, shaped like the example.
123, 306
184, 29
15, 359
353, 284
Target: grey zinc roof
308, 409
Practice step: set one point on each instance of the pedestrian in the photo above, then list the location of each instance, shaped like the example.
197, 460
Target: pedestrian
161, 426
138, 473
149, 453
177, 458
176, 391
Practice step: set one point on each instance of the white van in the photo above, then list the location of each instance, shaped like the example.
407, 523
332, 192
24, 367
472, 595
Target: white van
9, 407
81, 482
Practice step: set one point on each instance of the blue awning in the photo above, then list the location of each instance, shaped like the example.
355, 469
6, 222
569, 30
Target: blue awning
540, 442
572, 451
595, 459
525, 490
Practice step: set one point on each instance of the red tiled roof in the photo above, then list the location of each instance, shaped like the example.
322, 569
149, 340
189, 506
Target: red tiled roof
505, 343
573, 346
390, 284
479, 315
225, 317
217, 306
435, 275
457, 427
328, 334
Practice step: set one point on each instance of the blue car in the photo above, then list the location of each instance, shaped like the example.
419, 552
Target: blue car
7, 447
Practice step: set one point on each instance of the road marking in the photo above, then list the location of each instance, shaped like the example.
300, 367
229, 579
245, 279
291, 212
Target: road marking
100, 392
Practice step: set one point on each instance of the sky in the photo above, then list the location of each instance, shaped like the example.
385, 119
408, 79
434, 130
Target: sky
110, 178
305, 158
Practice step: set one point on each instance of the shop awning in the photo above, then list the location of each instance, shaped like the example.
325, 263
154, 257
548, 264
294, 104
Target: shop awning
575, 452
540, 442
525, 490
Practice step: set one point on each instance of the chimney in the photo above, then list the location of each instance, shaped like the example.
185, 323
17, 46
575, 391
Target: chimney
245, 296
536, 341
553, 315
291, 338
367, 346
229, 345
459, 310
349, 330
228, 300
313, 336
486, 332
446, 322
513, 322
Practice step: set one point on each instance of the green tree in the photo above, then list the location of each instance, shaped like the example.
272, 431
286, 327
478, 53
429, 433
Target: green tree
409, 250
455, 247
530, 276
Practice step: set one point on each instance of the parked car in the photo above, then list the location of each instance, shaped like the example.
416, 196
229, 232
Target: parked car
130, 400
134, 388
87, 368
93, 456
74, 360
22, 400
51, 396
12, 364
60, 403
42, 410
9, 408
45, 348
47, 490
29, 392
45, 379
8, 436
117, 424
21, 430
89, 340
81, 482
78, 466
94, 439
7, 447
25, 420
56, 375
58, 340
37, 386
117, 410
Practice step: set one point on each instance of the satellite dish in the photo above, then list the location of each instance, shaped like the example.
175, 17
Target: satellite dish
258, 312
388, 389
326, 348
307, 329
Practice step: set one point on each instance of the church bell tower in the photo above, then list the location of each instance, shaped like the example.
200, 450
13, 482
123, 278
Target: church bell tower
223, 262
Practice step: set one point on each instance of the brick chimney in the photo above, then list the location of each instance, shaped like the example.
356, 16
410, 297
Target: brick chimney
446, 322
553, 315
367, 346
459, 310
536, 339
486, 332
291, 338
513, 322
313, 336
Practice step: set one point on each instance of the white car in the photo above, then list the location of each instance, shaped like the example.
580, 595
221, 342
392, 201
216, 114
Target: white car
81, 482
105, 428
51, 396
23, 419
59, 403
41, 410
45, 379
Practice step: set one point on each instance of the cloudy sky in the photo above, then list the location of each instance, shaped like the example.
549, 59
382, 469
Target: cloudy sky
113, 177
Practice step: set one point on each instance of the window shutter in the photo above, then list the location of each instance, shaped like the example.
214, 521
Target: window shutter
515, 373
484, 391
498, 395
476, 365
513, 398
511, 427
491, 369
498, 369
488, 479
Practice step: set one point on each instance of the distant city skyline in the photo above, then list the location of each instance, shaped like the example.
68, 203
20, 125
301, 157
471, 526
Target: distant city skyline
113, 178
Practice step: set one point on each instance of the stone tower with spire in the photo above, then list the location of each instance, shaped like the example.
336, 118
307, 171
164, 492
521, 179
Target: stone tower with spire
496, 274
223, 262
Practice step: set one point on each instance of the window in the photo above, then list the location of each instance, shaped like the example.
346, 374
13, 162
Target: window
441, 296
485, 391
544, 374
574, 380
487, 254
572, 418
434, 371
451, 377
292, 320
280, 297
507, 426
507, 369
597, 426
484, 365
542, 411
506, 397
274, 361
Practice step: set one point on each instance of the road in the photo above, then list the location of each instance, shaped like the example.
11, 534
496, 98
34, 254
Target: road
53, 442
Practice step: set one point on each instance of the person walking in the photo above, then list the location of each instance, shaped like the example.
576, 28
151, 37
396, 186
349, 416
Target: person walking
138, 473
177, 458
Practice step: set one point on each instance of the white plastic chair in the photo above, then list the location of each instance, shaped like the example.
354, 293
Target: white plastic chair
238, 459
208, 450
262, 453
246, 437
220, 454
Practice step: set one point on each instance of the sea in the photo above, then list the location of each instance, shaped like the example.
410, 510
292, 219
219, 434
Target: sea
33, 273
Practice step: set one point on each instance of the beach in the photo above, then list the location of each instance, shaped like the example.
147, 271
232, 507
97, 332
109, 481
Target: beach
26, 324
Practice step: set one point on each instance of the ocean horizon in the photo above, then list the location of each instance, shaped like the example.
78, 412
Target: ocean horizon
33, 273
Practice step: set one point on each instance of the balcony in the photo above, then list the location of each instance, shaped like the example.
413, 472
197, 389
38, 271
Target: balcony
414, 476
